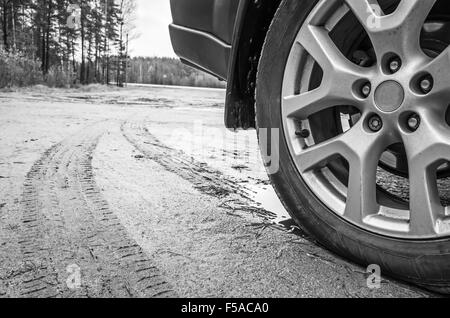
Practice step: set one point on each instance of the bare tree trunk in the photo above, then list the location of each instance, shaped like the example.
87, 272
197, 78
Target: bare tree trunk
46, 39
68, 53
126, 63
89, 62
74, 63
119, 58
44, 54
5, 24
105, 65
22, 46
13, 19
96, 72
83, 61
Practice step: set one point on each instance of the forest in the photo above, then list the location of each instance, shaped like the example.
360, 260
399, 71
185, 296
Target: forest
62, 43
168, 71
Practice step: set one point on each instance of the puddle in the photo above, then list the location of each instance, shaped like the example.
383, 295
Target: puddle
266, 198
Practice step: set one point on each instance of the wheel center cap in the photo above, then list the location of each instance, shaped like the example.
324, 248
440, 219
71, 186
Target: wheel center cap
389, 96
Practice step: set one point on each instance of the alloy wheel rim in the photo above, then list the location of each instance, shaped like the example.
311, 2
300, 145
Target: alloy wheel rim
411, 111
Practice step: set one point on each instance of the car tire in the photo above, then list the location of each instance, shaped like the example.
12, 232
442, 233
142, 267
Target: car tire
424, 262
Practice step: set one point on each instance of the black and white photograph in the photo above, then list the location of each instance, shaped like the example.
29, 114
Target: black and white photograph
220, 155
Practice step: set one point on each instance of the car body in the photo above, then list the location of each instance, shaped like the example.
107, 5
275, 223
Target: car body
225, 39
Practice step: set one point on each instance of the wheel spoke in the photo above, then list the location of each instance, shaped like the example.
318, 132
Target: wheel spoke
398, 32
362, 151
425, 204
430, 143
425, 155
438, 69
362, 189
318, 155
340, 74
411, 14
317, 42
367, 12
304, 105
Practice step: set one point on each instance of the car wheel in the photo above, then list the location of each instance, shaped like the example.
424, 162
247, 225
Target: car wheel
359, 95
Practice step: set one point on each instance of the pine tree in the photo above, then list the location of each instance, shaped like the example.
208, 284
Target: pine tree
91, 50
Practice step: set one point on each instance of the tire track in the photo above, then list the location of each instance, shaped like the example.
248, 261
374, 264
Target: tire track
66, 223
203, 177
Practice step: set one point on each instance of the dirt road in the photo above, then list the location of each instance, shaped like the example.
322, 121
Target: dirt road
141, 192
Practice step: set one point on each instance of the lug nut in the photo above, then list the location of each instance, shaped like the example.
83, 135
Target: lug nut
304, 133
413, 122
375, 123
366, 90
426, 84
394, 65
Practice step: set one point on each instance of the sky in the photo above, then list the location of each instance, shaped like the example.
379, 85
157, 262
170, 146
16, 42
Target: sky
153, 19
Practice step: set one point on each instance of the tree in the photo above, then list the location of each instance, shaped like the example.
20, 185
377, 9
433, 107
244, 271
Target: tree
5, 17
168, 71
89, 51
126, 20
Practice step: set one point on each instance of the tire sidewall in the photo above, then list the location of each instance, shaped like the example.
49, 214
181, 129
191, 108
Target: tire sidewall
426, 262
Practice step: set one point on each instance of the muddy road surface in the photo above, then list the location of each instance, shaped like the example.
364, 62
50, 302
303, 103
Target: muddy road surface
141, 192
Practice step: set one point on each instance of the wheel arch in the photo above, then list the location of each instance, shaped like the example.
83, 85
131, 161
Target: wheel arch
252, 24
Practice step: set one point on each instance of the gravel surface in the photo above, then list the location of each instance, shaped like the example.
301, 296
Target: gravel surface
141, 192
